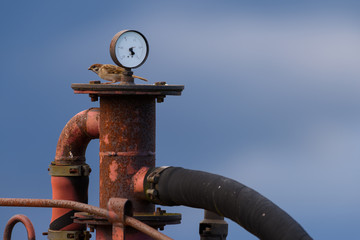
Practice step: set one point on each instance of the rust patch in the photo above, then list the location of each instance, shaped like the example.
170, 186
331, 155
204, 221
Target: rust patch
106, 139
113, 174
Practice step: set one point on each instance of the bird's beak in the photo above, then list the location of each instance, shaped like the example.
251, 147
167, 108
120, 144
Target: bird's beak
89, 68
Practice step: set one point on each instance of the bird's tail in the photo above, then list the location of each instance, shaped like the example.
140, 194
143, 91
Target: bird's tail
144, 79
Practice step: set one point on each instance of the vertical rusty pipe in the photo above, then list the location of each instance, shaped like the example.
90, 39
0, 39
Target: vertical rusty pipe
70, 151
127, 144
24, 220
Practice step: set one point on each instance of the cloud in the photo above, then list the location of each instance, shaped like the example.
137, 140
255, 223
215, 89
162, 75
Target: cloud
321, 169
318, 47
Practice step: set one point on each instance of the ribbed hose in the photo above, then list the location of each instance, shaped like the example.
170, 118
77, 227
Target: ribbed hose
228, 198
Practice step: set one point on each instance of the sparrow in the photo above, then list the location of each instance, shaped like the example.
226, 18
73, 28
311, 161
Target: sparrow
110, 72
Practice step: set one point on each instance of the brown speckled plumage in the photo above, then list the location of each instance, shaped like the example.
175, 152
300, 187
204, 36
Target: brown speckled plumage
110, 72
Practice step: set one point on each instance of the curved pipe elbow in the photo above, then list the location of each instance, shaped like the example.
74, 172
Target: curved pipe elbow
75, 137
24, 220
70, 155
224, 196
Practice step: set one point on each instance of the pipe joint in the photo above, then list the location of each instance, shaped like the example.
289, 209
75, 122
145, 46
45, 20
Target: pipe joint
119, 208
71, 235
213, 227
75, 137
151, 189
69, 170
213, 231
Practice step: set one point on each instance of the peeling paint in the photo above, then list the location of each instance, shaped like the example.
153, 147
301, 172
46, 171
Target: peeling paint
113, 174
106, 139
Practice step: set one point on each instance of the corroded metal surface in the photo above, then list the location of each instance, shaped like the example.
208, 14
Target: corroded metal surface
51, 203
136, 89
156, 220
138, 183
127, 144
119, 207
139, 226
70, 150
75, 137
24, 220
82, 207
118, 232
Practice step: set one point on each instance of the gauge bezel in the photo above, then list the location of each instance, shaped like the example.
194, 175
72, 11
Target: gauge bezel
113, 45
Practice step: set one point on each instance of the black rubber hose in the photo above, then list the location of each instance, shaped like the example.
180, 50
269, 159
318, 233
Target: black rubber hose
228, 198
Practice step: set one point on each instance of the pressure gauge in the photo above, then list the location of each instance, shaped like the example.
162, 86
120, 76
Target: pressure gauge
129, 49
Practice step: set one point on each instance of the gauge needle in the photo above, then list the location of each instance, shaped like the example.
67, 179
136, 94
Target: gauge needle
132, 51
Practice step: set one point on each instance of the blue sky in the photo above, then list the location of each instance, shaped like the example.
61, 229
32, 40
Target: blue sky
271, 99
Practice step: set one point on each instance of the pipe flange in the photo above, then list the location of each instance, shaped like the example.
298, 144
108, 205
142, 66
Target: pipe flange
69, 170
71, 235
156, 219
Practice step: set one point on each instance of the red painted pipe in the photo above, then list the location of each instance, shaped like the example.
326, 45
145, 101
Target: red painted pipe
70, 150
24, 220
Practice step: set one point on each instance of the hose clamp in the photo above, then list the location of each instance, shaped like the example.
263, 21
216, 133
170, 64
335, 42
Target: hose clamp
69, 170
153, 179
68, 235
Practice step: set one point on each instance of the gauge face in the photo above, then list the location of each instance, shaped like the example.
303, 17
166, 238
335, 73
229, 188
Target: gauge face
129, 49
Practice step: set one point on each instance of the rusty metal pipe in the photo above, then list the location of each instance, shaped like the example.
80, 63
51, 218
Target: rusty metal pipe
82, 207
70, 151
145, 229
24, 220
127, 144
75, 137
51, 203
